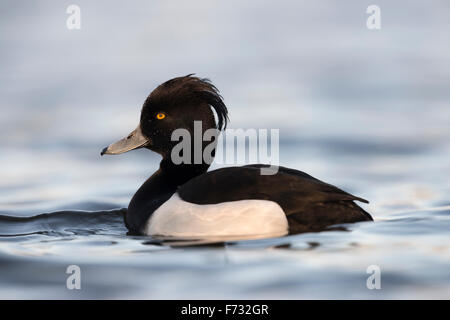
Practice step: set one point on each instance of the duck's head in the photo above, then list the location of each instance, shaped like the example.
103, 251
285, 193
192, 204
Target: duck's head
175, 104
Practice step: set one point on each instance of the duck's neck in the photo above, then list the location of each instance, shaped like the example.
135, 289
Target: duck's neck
177, 175
167, 179
159, 188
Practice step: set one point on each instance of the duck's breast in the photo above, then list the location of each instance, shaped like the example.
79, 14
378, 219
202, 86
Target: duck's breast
179, 218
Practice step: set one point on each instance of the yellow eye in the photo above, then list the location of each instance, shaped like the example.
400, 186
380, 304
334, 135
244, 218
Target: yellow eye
160, 116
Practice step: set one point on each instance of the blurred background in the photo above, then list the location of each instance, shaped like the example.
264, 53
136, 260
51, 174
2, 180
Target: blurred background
366, 110
345, 98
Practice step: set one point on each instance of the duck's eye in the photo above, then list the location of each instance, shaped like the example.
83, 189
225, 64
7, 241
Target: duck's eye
160, 116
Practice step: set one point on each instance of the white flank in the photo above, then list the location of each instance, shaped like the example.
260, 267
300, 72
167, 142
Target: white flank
178, 218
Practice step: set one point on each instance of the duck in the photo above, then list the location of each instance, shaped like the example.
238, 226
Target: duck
185, 200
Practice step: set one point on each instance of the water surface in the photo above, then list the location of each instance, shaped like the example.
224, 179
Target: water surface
365, 110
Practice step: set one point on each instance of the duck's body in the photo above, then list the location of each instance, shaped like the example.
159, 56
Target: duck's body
184, 200
183, 219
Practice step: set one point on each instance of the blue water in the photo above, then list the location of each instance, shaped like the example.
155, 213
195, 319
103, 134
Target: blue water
367, 111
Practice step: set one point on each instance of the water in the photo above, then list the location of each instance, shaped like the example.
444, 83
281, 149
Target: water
365, 110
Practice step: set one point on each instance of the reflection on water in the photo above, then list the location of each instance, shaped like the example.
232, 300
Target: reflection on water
411, 249
366, 111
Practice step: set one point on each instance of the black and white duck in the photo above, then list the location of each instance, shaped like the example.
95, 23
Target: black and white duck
187, 201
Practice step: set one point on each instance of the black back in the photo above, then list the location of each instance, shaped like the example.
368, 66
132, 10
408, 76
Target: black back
309, 204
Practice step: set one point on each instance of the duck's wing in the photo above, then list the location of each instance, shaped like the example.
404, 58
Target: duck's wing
308, 202
240, 183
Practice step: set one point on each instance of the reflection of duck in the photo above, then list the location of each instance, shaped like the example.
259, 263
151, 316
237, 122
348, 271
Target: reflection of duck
184, 200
